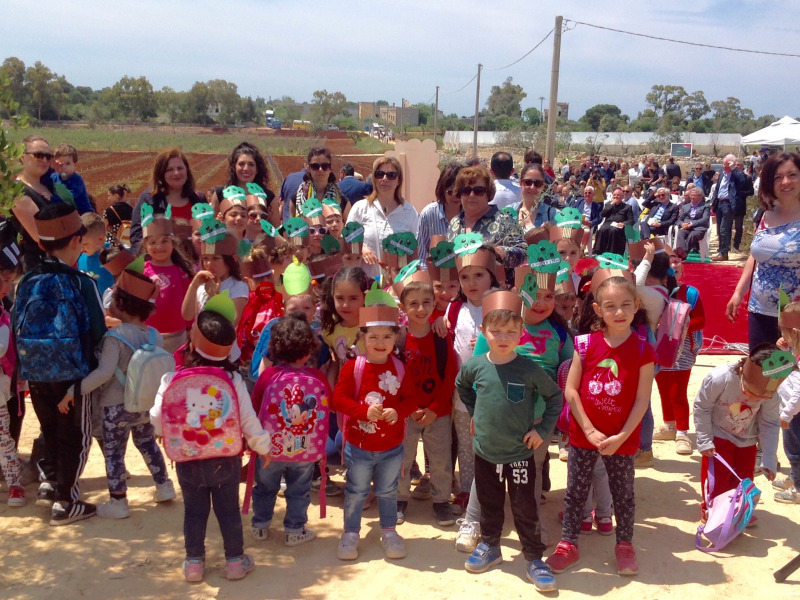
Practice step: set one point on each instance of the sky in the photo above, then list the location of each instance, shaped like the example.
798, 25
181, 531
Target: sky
393, 50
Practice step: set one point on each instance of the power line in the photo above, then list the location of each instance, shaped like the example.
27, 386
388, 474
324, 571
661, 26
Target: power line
461, 88
653, 37
549, 33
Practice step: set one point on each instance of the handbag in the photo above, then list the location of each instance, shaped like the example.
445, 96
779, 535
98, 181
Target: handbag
729, 513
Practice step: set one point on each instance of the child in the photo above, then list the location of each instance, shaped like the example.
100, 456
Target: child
372, 392
93, 242
214, 479
118, 215
500, 390
114, 259
131, 305
65, 158
442, 268
9, 459
434, 384
736, 406
789, 392
291, 345
233, 212
58, 322
342, 298
173, 275
608, 390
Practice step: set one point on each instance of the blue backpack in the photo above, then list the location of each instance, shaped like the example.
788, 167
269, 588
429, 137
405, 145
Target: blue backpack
51, 325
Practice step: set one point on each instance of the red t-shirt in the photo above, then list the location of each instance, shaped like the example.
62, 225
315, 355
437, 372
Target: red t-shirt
421, 367
379, 385
182, 212
608, 388
172, 282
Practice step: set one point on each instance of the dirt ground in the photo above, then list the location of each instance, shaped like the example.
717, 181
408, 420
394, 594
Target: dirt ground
140, 557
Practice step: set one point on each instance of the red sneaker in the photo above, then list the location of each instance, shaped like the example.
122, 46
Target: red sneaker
586, 523
16, 496
565, 556
460, 502
626, 559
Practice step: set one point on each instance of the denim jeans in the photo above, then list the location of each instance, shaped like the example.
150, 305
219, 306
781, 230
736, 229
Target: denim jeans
724, 213
791, 446
298, 493
363, 467
203, 482
646, 432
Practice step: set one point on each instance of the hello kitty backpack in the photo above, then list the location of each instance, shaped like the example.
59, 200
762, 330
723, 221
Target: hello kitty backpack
200, 415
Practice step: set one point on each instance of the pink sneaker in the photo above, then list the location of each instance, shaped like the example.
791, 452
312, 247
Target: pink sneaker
238, 568
194, 569
565, 556
605, 526
626, 559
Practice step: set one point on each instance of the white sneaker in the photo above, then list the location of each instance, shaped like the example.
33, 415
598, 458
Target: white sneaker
115, 508
260, 533
783, 484
348, 546
468, 536
665, 433
393, 545
299, 537
165, 491
683, 445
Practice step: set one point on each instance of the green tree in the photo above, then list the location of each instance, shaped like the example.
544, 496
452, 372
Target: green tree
731, 109
225, 95
10, 152
37, 80
327, 105
59, 93
425, 113
14, 69
532, 116
593, 116
169, 101
695, 106
247, 111
195, 104
505, 99
666, 98
133, 98
647, 120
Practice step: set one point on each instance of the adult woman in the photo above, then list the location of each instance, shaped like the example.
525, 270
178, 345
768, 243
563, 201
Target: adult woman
383, 212
531, 210
246, 165
774, 260
173, 185
475, 188
435, 217
37, 193
610, 235
319, 181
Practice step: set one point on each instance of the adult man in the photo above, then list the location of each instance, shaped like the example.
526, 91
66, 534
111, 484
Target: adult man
634, 172
289, 188
663, 214
694, 220
632, 202
607, 171
729, 182
672, 169
740, 205
699, 178
351, 188
508, 190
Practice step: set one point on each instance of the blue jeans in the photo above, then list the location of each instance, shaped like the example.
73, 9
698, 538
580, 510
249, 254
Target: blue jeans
298, 493
646, 432
203, 482
724, 213
791, 446
363, 467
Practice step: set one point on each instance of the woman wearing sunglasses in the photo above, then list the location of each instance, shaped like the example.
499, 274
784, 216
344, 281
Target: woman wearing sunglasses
383, 212
533, 208
319, 181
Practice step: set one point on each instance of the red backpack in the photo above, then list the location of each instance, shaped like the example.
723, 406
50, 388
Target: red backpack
264, 304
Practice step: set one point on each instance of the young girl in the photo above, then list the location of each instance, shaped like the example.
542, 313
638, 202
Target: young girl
216, 479
342, 298
608, 391
736, 406
131, 305
173, 275
375, 396
789, 392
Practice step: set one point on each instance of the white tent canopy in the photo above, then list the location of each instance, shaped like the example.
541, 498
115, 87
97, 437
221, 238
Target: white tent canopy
782, 132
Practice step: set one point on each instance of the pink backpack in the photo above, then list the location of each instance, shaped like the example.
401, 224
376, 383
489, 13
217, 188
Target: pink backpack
200, 415
672, 329
9, 359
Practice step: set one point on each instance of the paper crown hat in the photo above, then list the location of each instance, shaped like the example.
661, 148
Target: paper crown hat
611, 265
501, 300
232, 196
399, 249
769, 375
534, 235
441, 261
217, 240
636, 250
119, 262
411, 272
182, 229
159, 225
222, 305
789, 320
330, 208
295, 230
255, 267
469, 252
133, 282
60, 227
379, 309
353, 237
325, 265
312, 212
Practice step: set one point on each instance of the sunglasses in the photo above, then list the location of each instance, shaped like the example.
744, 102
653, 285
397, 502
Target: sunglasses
41, 155
256, 216
390, 175
537, 183
478, 190
319, 230
320, 166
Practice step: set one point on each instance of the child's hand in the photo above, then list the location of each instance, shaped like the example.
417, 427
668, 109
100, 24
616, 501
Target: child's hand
770, 475
375, 412
266, 459
784, 424
368, 256
532, 439
439, 327
596, 438
782, 344
67, 403
390, 416
203, 276
472, 343
472, 427
649, 251
611, 444
708, 453
427, 417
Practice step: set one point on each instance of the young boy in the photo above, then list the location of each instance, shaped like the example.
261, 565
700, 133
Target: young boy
58, 319
500, 389
432, 364
66, 159
93, 242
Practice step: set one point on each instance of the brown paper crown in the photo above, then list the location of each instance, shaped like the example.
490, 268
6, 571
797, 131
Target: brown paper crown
636, 249
544, 281
754, 374
226, 247
378, 315
439, 273
328, 210
395, 261
566, 287
602, 274
182, 229
501, 300
482, 257
326, 265
225, 205
251, 201
316, 221
119, 262
206, 348
566, 233
160, 225
534, 235
138, 286
260, 267
59, 228
421, 276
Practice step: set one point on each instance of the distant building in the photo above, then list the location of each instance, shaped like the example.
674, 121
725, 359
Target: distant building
395, 116
563, 111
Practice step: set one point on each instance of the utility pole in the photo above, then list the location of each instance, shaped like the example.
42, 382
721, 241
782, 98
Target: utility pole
477, 106
435, 114
541, 105
552, 117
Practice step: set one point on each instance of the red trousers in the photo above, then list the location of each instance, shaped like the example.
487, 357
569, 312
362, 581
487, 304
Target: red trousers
742, 460
672, 387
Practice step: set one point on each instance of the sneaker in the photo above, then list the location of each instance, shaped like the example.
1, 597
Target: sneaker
586, 523
683, 445
238, 568
460, 503
260, 534
467, 536
299, 537
483, 558
46, 491
541, 576
626, 559
16, 496
565, 556
665, 433
332, 489
348, 546
787, 496
443, 514
402, 506
643, 459
115, 508
194, 569
64, 514
605, 526
423, 489
783, 484
282, 488
165, 491
393, 545
563, 452
416, 474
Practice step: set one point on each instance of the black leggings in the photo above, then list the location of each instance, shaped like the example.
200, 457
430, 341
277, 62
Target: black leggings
761, 328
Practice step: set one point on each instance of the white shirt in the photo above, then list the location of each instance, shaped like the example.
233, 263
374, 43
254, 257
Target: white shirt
469, 318
507, 192
378, 226
235, 289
